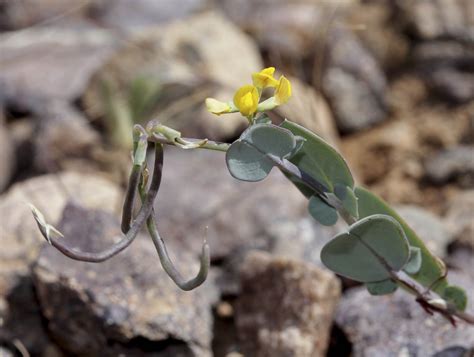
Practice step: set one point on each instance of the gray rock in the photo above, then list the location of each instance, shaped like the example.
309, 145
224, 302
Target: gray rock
288, 28
438, 19
7, 158
354, 83
50, 63
456, 163
285, 308
446, 66
459, 217
395, 325
125, 305
137, 14
198, 198
430, 228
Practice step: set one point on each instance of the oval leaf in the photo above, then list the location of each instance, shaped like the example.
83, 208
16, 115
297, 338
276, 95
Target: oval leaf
366, 253
383, 287
322, 212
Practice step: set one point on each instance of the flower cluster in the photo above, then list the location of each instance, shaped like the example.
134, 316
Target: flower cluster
247, 98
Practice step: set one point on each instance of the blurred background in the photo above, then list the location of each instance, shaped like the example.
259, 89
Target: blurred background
389, 83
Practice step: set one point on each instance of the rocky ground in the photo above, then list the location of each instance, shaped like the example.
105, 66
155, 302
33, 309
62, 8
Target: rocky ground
389, 83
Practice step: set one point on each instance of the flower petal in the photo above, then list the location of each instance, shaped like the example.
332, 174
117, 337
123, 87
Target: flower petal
264, 78
283, 90
217, 107
246, 99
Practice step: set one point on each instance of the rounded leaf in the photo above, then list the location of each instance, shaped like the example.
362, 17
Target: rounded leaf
322, 212
246, 163
270, 139
372, 247
414, 262
248, 159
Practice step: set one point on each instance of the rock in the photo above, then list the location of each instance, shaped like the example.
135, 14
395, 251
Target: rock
454, 163
198, 198
50, 63
26, 13
128, 301
395, 325
446, 67
5, 353
354, 83
296, 316
138, 14
62, 136
7, 158
430, 20
21, 242
186, 66
289, 28
458, 218
373, 22
428, 227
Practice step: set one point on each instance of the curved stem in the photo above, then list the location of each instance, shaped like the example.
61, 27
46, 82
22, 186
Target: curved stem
126, 240
166, 261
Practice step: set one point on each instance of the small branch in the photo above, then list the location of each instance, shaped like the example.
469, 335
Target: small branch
140, 143
209, 145
126, 240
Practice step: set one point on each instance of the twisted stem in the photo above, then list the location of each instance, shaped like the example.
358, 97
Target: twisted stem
131, 234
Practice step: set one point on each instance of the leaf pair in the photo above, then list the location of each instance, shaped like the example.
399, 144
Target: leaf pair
257, 151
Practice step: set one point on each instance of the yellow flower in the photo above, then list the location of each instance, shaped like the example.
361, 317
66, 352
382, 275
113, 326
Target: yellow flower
246, 100
264, 78
283, 91
217, 107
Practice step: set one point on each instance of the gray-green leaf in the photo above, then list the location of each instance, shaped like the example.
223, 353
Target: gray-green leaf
373, 247
414, 263
322, 212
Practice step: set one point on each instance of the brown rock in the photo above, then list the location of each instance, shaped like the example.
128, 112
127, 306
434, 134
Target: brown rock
126, 305
459, 217
285, 308
21, 242
25, 13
